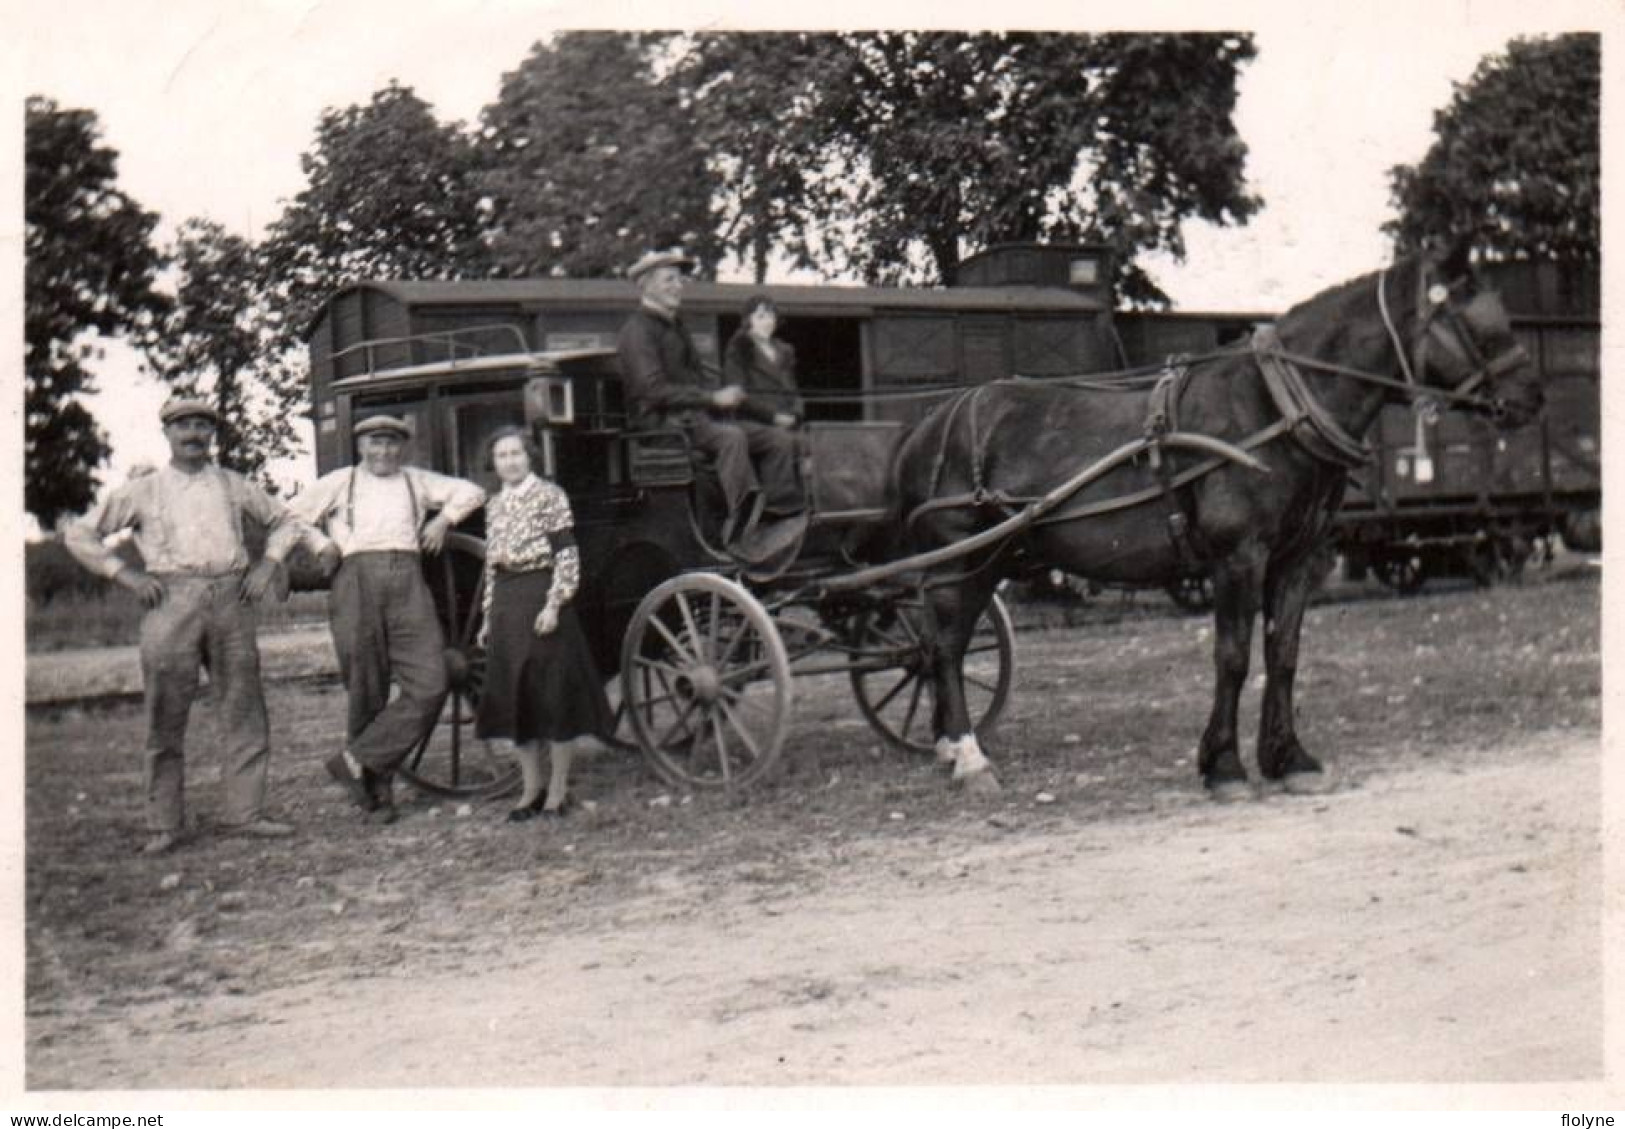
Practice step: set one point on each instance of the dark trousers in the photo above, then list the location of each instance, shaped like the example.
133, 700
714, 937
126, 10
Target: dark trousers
385, 629
750, 456
201, 622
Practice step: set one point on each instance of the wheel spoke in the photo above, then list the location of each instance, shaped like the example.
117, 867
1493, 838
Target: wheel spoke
744, 673
656, 665
449, 578
682, 717
456, 739
744, 735
681, 651
722, 748
988, 686
908, 677
692, 627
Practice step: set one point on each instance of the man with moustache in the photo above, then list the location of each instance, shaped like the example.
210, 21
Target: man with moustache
200, 594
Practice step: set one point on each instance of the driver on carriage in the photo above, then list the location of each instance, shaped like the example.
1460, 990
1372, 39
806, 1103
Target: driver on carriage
668, 386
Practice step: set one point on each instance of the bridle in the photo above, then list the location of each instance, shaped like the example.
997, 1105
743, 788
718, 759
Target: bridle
1439, 322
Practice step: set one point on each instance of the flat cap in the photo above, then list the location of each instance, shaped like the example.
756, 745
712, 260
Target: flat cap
178, 407
393, 425
672, 258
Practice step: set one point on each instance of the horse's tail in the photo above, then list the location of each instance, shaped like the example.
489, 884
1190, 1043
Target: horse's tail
893, 538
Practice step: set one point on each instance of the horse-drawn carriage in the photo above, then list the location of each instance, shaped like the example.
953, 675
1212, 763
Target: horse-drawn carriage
1233, 463
704, 647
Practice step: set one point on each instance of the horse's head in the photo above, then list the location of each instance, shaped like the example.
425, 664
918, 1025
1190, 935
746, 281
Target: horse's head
1461, 341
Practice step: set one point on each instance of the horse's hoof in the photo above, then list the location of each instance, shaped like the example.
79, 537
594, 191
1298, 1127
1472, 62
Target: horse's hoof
1230, 791
1308, 783
982, 783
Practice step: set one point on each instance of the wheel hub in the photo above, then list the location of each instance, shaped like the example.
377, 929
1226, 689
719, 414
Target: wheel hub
701, 682
456, 667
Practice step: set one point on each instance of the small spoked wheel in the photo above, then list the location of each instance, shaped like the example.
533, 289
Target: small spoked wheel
705, 683
450, 760
892, 672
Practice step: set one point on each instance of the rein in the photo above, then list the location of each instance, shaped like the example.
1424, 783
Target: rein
1303, 418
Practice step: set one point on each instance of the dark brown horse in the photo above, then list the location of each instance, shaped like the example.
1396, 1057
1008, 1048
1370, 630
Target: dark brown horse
1298, 400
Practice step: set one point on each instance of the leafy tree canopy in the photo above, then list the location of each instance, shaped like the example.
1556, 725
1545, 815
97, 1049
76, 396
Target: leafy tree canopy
587, 160
221, 342
894, 155
1515, 166
389, 194
89, 270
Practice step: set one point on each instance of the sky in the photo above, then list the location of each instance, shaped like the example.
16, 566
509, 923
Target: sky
210, 105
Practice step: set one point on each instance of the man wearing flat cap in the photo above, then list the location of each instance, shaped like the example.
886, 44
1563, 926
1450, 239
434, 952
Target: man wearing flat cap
200, 594
373, 525
667, 386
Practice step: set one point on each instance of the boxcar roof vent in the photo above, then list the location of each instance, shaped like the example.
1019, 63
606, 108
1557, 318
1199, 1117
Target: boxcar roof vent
1085, 267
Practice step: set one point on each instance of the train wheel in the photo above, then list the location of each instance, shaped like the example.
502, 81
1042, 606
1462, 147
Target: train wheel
892, 672
1498, 560
450, 760
705, 682
1193, 593
1402, 572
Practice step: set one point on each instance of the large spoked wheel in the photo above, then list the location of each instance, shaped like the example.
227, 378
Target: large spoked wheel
705, 682
892, 672
450, 760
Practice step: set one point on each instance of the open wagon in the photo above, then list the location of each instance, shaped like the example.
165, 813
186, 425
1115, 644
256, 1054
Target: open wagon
703, 652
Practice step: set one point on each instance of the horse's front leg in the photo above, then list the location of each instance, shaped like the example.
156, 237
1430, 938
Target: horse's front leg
955, 610
1236, 583
1287, 588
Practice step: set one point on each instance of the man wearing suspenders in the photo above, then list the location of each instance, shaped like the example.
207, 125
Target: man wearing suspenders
199, 592
370, 523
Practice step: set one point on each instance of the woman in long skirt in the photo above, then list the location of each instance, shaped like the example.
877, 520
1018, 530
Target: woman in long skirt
541, 685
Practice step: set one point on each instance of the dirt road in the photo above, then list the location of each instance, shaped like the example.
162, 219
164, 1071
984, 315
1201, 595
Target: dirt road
1439, 924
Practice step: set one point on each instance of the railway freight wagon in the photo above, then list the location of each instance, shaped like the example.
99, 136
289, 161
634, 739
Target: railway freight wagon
1458, 497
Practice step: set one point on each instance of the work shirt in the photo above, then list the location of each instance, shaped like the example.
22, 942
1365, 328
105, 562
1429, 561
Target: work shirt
184, 522
364, 512
661, 370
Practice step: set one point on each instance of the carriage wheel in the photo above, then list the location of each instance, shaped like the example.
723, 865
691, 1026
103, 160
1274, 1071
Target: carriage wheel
705, 681
892, 680
450, 760
1192, 593
1403, 572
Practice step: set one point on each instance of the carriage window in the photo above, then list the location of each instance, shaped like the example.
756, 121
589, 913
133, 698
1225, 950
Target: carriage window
472, 425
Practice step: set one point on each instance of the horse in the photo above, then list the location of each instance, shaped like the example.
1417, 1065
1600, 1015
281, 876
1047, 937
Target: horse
1286, 412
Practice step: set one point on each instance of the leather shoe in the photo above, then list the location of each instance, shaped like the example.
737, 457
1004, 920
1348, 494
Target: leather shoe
353, 784
524, 813
261, 828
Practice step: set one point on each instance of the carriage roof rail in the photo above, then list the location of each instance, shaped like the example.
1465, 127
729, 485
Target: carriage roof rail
548, 360
451, 339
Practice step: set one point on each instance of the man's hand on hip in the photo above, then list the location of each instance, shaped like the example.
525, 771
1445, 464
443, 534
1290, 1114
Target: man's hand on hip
433, 538
148, 588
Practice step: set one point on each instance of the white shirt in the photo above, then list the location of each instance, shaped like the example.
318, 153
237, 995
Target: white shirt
367, 513
184, 522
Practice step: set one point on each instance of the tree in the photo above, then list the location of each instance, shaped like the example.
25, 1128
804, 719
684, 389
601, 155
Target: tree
89, 270
389, 194
894, 155
221, 341
1516, 163
588, 160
